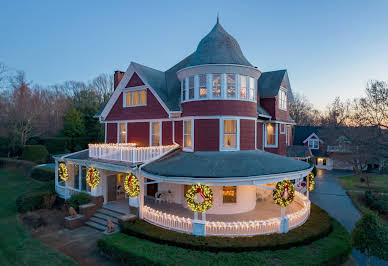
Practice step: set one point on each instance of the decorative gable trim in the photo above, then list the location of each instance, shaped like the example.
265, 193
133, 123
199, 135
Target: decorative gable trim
311, 136
122, 86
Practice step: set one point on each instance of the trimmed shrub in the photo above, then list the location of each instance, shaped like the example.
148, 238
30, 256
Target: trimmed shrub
78, 199
43, 173
317, 226
26, 166
57, 145
32, 201
35, 153
374, 203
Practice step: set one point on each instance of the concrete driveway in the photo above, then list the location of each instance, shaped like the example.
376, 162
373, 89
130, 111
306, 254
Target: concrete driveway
330, 196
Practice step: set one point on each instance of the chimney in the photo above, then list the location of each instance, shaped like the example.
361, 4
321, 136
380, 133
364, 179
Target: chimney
117, 78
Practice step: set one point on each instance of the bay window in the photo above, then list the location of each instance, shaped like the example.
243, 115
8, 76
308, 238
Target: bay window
202, 86
183, 89
229, 194
188, 135
216, 84
155, 134
271, 135
231, 86
229, 134
135, 98
122, 132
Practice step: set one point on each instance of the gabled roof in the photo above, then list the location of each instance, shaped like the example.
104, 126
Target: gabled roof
262, 112
298, 151
303, 132
269, 83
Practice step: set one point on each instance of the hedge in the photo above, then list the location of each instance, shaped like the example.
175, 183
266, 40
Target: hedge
31, 201
317, 226
79, 199
26, 166
57, 145
35, 153
43, 173
333, 249
374, 203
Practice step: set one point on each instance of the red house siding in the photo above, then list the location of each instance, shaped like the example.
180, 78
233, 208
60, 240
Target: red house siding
247, 134
280, 114
206, 134
167, 133
139, 133
111, 133
152, 110
269, 105
134, 81
259, 135
178, 132
219, 107
282, 147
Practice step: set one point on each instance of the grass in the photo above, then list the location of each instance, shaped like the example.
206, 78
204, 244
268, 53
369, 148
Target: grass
377, 183
333, 249
17, 247
317, 226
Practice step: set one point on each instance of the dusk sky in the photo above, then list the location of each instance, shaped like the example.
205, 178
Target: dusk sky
330, 48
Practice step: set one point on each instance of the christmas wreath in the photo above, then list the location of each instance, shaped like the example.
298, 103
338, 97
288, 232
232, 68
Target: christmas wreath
93, 177
311, 178
284, 193
131, 185
199, 198
62, 171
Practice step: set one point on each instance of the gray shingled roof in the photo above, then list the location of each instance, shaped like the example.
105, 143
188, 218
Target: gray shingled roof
269, 83
303, 132
262, 111
298, 151
218, 47
223, 164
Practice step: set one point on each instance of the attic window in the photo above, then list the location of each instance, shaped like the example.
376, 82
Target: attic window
314, 144
135, 98
283, 99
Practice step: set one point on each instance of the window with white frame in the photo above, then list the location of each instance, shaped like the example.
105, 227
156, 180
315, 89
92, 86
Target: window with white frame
229, 140
183, 89
283, 99
271, 135
155, 134
314, 144
122, 132
243, 87
202, 86
216, 84
282, 129
191, 87
135, 98
231, 86
188, 134
252, 96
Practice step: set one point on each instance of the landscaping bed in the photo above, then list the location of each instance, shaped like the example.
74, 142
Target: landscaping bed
317, 226
377, 183
334, 249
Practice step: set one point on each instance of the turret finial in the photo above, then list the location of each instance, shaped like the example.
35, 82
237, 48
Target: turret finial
218, 17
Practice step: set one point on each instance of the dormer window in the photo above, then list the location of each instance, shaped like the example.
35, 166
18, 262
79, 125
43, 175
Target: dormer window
283, 99
231, 86
135, 98
216, 85
314, 144
202, 86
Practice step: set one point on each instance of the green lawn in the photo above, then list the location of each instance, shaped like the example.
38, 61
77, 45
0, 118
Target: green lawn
377, 183
17, 247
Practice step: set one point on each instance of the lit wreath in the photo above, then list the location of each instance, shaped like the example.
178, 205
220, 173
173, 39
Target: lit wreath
131, 185
199, 198
92, 177
284, 193
62, 171
311, 178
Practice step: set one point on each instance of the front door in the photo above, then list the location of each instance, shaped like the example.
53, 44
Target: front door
152, 188
112, 187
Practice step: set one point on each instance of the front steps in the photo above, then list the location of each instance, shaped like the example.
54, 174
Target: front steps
99, 219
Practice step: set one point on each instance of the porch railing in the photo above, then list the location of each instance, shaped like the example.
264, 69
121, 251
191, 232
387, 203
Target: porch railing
230, 229
127, 152
66, 192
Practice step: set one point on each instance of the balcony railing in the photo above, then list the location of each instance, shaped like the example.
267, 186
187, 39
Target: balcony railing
230, 229
127, 152
337, 149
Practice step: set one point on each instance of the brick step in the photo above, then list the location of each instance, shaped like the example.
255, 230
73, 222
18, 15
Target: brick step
110, 213
106, 217
95, 225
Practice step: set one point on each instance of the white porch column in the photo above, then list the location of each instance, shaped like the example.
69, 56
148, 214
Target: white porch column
283, 221
307, 186
141, 195
56, 174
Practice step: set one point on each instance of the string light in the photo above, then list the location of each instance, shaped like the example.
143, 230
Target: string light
62, 172
279, 193
92, 177
203, 191
131, 185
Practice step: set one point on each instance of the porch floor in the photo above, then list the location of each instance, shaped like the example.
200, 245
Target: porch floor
121, 206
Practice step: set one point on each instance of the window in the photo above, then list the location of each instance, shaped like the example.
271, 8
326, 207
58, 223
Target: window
243, 87
283, 99
271, 138
187, 135
324, 161
191, 87
84, 185
252, 89
282, 128
122, 133
135, 98
76, 175
231, 86
230, 134
288, 128
202, 86
183, 89
314, 144
229, 194
155, 134
216, 85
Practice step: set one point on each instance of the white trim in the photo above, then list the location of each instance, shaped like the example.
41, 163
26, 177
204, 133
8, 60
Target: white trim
105, 126
221, 141
160, 133
255, 135
131, 90
313, 135
276, 136
190, 149
284, 90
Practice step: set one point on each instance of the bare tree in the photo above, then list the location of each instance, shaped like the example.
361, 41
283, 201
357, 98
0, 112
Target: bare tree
301, 110
337, 113
3, 76
103, 85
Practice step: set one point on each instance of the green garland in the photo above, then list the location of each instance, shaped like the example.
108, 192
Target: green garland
205, 192
131, 185
280, 189
62, 172
311, 178
92, 177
